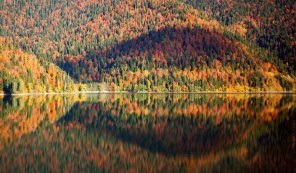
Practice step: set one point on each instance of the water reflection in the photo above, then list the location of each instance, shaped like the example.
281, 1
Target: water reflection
149, 132
24, 114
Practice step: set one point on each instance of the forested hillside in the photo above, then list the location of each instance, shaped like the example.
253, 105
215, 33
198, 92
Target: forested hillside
270, 24
153, 45
21, 72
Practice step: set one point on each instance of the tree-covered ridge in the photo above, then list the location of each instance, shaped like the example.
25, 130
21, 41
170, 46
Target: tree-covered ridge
143, 45
22, 72
178, 59
270, 24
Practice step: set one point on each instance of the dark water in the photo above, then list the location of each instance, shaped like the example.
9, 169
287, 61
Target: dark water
148, 133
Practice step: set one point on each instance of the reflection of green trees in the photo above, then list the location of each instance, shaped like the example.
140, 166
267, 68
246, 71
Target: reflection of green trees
285, 100
8, 104
273, 142
176, 132
103, 134
24, 114
256, 104
25, 104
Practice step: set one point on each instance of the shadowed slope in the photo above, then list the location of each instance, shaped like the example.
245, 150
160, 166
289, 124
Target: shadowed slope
189, 56
270, 24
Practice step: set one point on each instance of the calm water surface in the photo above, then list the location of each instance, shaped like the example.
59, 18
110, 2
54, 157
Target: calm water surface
148, 133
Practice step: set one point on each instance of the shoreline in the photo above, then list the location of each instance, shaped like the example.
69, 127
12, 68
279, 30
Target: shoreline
127, 92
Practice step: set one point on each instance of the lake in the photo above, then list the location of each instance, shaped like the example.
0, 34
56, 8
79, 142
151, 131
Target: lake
148, 133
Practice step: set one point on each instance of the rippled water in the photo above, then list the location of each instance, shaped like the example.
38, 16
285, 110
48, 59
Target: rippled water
148, 133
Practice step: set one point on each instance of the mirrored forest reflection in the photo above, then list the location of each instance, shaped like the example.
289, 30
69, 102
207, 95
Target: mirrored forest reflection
148, 132
24, 114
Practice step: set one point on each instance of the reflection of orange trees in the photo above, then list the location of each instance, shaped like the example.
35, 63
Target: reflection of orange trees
25, 114
214, 105
103, 136
75, 150
214, 137
182, 127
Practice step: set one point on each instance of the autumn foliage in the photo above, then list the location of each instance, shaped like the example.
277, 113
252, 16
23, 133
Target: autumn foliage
148, 45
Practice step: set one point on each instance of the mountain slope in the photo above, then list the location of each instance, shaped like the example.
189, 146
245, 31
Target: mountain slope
21, 72
143, 45
270, 24
179, 60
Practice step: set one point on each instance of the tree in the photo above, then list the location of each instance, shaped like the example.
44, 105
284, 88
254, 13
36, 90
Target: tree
256, 79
